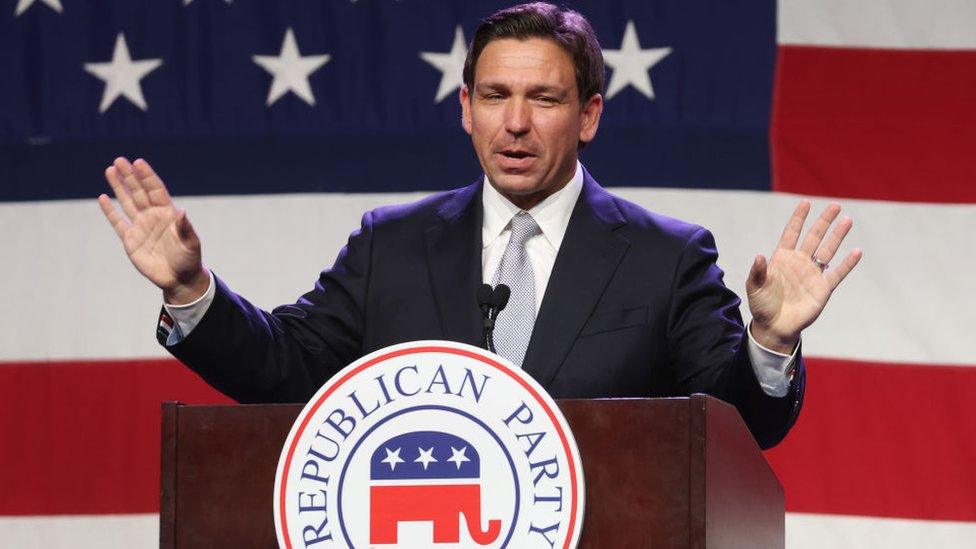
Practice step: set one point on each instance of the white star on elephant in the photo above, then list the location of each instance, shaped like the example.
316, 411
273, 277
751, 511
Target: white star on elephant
392, 458
458, 457
426, 457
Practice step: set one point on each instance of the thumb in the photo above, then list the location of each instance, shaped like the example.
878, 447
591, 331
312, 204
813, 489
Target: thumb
757, 274
184, 229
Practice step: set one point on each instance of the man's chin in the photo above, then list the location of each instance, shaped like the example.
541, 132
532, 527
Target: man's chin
515, 184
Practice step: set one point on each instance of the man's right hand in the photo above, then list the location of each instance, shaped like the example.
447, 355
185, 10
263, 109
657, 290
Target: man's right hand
157, 236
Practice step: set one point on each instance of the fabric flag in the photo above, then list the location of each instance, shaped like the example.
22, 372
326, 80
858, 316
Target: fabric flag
276, 125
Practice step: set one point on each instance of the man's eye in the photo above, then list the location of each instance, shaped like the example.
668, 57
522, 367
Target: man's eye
493, 97
546, 100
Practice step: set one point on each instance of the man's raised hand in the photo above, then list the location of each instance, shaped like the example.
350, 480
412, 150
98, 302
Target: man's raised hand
157, 237
788, 292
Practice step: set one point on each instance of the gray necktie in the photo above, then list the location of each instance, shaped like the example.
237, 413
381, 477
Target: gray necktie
514, 326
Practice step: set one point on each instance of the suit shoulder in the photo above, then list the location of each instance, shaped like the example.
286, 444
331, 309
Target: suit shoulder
642, 222
420, 211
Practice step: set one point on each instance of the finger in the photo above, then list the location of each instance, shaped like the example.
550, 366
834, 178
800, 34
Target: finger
791, 234
819, 228
757, 274
139, 197
114, 179
829, 247
114, 218
836, 275
155, 189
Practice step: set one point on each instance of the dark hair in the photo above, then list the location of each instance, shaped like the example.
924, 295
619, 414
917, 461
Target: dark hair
566, 27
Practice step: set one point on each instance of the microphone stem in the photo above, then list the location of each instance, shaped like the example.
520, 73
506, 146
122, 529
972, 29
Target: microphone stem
490, 327
488, 341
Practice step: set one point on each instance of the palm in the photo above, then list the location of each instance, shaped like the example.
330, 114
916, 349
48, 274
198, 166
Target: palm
156, 235
154, 247
788, 293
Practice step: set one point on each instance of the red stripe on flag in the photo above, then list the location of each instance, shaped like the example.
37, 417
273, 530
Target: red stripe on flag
882, 440
873, 439
84, 437
875, 123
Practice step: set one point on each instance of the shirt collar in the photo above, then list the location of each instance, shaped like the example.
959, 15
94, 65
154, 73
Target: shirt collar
552, 214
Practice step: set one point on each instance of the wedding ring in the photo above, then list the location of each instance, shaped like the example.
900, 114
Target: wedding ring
820, 264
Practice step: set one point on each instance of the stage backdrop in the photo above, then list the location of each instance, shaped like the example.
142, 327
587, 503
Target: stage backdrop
276, 124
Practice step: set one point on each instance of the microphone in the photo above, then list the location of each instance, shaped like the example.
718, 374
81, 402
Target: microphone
491, 302
500, 297
485, 293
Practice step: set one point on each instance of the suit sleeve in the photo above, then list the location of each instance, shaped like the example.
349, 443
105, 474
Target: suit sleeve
255, 356
708, 345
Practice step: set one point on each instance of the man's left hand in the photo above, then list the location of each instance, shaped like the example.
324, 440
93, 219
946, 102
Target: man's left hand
788, 292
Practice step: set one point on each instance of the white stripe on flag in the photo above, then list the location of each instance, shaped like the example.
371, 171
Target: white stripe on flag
809, 531
897, 24
64, 532
912, 299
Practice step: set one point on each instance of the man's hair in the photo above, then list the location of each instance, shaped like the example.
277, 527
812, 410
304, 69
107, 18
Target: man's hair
566, 27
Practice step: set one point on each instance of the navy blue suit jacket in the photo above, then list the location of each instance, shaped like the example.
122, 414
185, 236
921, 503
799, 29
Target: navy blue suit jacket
635, 307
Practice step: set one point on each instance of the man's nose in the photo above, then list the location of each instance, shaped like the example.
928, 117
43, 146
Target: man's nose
518, 117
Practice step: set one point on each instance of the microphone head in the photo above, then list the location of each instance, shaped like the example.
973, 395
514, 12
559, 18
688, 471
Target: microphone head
501, 295
485, 294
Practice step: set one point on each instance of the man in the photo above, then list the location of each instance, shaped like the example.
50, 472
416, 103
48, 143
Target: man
608, 299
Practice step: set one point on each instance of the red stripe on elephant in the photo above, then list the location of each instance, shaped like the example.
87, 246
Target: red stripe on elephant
442, 505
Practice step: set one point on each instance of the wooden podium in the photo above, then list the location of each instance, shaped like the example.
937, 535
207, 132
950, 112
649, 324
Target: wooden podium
675, 472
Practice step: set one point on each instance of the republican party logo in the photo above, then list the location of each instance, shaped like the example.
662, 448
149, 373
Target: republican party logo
430, 444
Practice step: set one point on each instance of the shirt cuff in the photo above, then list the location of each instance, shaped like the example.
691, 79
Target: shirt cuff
773, 370
187, 316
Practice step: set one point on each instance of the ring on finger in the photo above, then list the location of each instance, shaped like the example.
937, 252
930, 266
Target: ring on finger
822, 265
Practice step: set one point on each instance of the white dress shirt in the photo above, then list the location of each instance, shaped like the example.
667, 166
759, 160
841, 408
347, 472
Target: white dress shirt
774, 370
552, 216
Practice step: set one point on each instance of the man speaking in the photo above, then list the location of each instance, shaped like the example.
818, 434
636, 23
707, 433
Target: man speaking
608, 299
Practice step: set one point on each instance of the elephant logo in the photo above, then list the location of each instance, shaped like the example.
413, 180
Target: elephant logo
427, 476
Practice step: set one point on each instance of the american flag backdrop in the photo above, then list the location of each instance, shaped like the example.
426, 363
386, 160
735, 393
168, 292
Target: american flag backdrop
276, 124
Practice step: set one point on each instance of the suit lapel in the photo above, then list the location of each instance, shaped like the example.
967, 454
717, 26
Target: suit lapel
454, 261
586, 261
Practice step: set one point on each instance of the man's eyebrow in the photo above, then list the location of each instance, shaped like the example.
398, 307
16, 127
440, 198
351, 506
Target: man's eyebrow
490, 86
549, 90
559, 91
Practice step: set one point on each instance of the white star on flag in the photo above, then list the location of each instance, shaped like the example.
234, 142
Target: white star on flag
291, 70
426, 457
450, 64
631, 64
22, 6
392, 458
458, 457
122, 75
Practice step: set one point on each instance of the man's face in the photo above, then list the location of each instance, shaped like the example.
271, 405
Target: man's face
525, 117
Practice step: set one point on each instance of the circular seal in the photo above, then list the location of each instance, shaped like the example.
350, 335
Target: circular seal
430, 444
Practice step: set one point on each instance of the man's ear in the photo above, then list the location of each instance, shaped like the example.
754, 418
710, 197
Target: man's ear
590, 118
465, 98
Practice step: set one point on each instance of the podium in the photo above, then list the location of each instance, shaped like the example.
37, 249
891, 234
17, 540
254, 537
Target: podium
674, 472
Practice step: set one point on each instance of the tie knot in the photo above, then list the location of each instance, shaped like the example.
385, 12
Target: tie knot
523, 228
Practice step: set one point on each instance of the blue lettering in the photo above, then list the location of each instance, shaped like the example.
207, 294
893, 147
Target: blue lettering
469, 380
440, 378
399, 386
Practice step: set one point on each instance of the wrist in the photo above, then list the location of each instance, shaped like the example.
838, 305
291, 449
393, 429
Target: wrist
780, 343
191, 289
